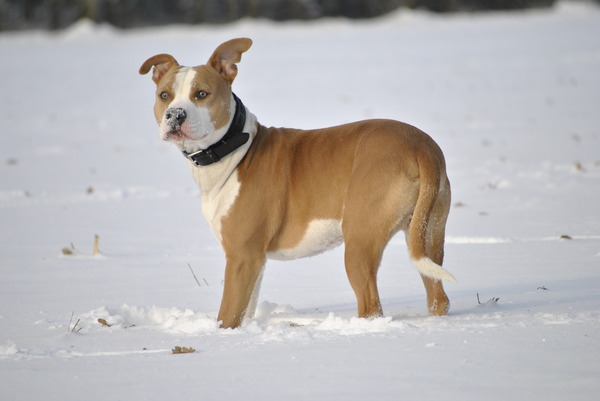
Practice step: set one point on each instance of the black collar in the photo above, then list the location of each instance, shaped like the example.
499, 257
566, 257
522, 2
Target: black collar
232, 140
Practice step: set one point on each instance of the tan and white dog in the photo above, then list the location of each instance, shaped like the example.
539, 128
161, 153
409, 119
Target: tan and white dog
284, 193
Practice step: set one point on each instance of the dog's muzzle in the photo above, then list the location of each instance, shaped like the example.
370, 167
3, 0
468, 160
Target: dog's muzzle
174, 117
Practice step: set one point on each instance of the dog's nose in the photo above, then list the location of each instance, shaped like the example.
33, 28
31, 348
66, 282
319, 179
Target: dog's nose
175, 116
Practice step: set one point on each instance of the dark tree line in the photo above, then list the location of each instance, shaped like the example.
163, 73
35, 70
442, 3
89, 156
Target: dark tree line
57, 14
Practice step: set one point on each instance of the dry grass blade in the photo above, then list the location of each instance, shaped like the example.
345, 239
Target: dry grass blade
194, 274
96, 250
489, 302
74, 329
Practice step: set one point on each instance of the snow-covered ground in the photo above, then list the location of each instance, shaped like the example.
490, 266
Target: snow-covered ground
512, 98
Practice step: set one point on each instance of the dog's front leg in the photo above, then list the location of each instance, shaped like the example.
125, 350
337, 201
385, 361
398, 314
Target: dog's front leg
242, 279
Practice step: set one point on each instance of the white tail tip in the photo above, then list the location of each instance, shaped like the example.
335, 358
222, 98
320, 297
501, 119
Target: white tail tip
428, 268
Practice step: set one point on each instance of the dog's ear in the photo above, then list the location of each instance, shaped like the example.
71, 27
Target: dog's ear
161, 63
226, 55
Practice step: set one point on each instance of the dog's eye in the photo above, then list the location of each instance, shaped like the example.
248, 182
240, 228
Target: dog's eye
201, 95
164, 95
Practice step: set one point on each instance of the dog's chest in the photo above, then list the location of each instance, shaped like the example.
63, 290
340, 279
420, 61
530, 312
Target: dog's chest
216, 204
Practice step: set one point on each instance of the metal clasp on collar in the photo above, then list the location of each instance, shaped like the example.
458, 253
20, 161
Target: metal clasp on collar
202, 157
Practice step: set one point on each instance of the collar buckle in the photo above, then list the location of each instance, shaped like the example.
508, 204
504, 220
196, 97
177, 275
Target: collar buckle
202, 157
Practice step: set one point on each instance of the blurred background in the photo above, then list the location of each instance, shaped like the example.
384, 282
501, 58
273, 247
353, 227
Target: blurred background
58, 14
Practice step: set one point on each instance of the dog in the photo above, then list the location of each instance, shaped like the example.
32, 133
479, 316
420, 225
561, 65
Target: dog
280, 193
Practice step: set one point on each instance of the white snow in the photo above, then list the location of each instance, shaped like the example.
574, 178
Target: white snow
512, 99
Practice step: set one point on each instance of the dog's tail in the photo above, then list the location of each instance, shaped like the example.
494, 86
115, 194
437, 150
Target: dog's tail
420, 227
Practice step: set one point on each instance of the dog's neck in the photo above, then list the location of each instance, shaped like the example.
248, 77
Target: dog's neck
213, 177
234, 138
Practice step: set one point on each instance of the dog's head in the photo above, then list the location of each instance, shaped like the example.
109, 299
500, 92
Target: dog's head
194, 105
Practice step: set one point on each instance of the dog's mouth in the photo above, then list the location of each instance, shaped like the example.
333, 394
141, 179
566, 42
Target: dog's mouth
176, 135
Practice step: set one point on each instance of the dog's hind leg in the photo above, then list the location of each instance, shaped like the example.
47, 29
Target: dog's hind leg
366, 227
371, 216
362, 260
437, 300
